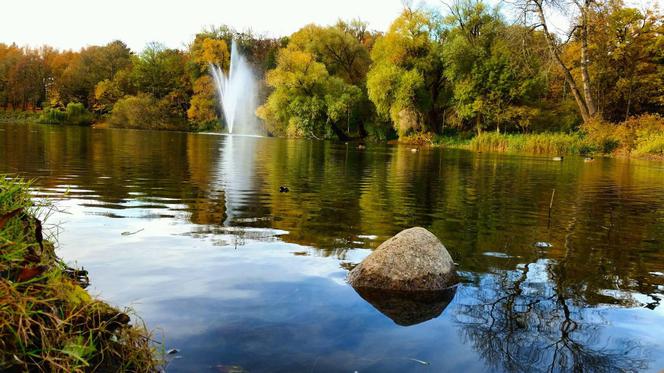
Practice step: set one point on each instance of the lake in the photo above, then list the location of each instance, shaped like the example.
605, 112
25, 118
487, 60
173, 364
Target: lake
192, 232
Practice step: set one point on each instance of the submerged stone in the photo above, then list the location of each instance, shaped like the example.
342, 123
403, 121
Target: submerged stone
413, 260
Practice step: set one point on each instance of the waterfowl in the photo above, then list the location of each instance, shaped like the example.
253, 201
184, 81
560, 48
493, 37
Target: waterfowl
283, 189
361, 146
414, 150
557, 159
588, 159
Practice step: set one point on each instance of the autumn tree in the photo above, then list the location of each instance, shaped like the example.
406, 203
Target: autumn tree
626, 46
89, 67
206, 51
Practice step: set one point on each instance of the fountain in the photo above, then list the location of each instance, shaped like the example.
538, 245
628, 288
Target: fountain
238, 94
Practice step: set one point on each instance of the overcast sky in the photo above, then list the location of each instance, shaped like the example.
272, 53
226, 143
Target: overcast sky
72, 24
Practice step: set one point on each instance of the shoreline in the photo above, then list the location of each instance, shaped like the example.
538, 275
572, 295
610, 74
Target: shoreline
48, 321
545, 143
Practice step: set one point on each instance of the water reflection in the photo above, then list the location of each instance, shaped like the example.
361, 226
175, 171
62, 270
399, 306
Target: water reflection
523, 320
408, 308
238, 274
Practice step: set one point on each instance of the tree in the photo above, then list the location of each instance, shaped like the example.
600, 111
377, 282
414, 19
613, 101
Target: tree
159, 71
306, 100
406, 82
492, 83
89, 67
205, 51
626, 46
337, 48
537, 8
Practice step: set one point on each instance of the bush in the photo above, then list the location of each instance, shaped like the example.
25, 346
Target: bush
642, 134
600, 136
651, 145
75, 113
144, 112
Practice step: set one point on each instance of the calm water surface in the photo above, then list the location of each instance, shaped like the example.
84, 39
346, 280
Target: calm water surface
240, 277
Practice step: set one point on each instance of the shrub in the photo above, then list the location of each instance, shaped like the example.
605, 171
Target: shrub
144, 112
641, 133
600, 136
52, 116
75, 113
652, 145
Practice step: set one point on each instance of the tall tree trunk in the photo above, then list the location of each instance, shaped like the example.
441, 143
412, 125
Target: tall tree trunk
585, 77
551, 41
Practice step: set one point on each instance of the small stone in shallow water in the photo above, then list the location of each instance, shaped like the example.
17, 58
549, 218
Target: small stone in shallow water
542, 245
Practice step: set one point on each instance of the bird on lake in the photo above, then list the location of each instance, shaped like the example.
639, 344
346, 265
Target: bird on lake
361, 146
558, 159
588, 159
283, 189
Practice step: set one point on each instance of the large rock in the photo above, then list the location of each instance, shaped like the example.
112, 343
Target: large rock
413, 260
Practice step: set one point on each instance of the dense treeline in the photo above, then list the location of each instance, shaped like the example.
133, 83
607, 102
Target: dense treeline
158, 88
464, 68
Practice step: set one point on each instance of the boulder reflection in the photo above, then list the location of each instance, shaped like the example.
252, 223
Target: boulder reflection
408, 308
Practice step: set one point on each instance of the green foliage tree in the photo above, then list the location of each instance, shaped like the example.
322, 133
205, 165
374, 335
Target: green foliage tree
492, 85
159, 71
406, 82
306, 100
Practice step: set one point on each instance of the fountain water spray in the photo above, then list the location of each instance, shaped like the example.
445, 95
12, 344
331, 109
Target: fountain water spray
238, 94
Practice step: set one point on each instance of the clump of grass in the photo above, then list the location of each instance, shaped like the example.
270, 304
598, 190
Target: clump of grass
48, 322
541, 143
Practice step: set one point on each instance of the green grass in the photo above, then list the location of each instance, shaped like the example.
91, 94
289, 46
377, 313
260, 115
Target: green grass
48, 322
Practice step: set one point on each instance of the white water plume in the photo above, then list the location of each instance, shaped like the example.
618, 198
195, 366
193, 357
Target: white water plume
238, 94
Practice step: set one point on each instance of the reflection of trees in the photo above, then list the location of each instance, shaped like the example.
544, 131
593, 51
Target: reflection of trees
607, 224
522, 320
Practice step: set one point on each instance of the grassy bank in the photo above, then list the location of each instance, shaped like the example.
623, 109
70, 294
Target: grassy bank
541, 143
19, 116
48, 322
74, 114
640, 137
